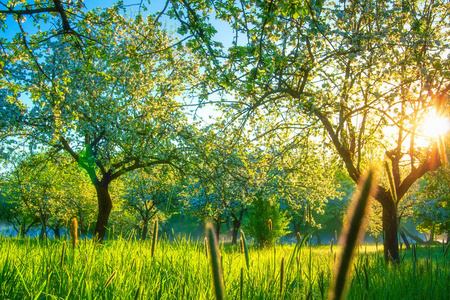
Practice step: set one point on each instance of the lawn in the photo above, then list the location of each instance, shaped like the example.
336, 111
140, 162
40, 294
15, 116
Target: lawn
124, 269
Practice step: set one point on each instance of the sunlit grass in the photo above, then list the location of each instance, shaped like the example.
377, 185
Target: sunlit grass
121, 269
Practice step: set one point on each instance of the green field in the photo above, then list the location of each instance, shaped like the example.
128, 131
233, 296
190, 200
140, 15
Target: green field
124, 269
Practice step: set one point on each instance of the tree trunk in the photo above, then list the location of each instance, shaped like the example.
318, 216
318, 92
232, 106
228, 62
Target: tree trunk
22, 229
236, 226
218, 229
144, 230
296, 226
414, 237
57, 231
43, 232
390, 228
319, 239
431, 239
104, 209
404, 238
200, 228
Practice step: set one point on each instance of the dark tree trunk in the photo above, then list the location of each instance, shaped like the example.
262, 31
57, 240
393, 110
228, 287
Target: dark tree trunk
217, 229
319, 239
431, 239
144, 230
200, 227
296, 226
23, 230
404, 238
43, 232
104, 209
390, 228
57, 231
412, 236
236, 226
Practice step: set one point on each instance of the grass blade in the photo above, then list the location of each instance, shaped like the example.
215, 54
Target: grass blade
352, 232
215, 261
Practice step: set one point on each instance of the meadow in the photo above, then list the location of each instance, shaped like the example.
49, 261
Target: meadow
125, 269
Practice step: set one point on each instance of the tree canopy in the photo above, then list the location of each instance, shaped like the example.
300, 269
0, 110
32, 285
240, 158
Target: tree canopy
298, 83
365, 74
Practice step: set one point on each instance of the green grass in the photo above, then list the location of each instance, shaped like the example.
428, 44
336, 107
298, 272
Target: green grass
33, 269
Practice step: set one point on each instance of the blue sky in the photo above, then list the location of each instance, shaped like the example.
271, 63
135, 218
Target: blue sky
13, 28
224, 35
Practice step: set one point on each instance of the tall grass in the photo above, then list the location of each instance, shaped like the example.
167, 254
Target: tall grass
125, 269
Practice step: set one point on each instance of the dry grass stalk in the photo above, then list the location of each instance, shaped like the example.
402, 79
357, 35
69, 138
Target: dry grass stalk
155, 237
353, 232
215, 261
74, 232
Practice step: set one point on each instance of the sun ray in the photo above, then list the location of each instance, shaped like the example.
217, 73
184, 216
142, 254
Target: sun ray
434, 126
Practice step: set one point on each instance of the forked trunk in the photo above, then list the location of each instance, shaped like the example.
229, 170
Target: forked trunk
218, 229
104, 209
43, 233
57, 231
236, 226
431, 239
390, 228
144, 231
404, 238
319, 239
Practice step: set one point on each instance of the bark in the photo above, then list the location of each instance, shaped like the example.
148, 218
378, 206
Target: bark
390, 228
296, 226
200, 228
404, 238
144, 230
319, 239
57, 232
236, 226
22, 230
104, 210
414, 237
431, 239
218, 223
43, 232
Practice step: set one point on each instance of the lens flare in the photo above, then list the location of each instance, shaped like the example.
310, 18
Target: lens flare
434, 126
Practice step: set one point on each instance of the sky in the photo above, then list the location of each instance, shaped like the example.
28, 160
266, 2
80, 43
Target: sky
225, 36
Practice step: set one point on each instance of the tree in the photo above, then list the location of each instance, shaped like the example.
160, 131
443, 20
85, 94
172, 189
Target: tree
12, 210
112, 106
42, 12
265, 221
366, 74
304, 183
150, 193
220, 183
44, 190
432, 204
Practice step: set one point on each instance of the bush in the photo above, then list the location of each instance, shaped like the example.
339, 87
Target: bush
265, 222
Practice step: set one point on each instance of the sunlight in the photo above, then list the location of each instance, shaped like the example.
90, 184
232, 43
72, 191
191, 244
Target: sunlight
434, 126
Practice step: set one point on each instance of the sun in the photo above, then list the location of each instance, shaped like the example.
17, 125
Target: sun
434, 126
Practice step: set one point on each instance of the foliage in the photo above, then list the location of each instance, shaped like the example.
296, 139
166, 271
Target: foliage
48, 191
109, 102
265, 221
149, 194
431, 210
363, 75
